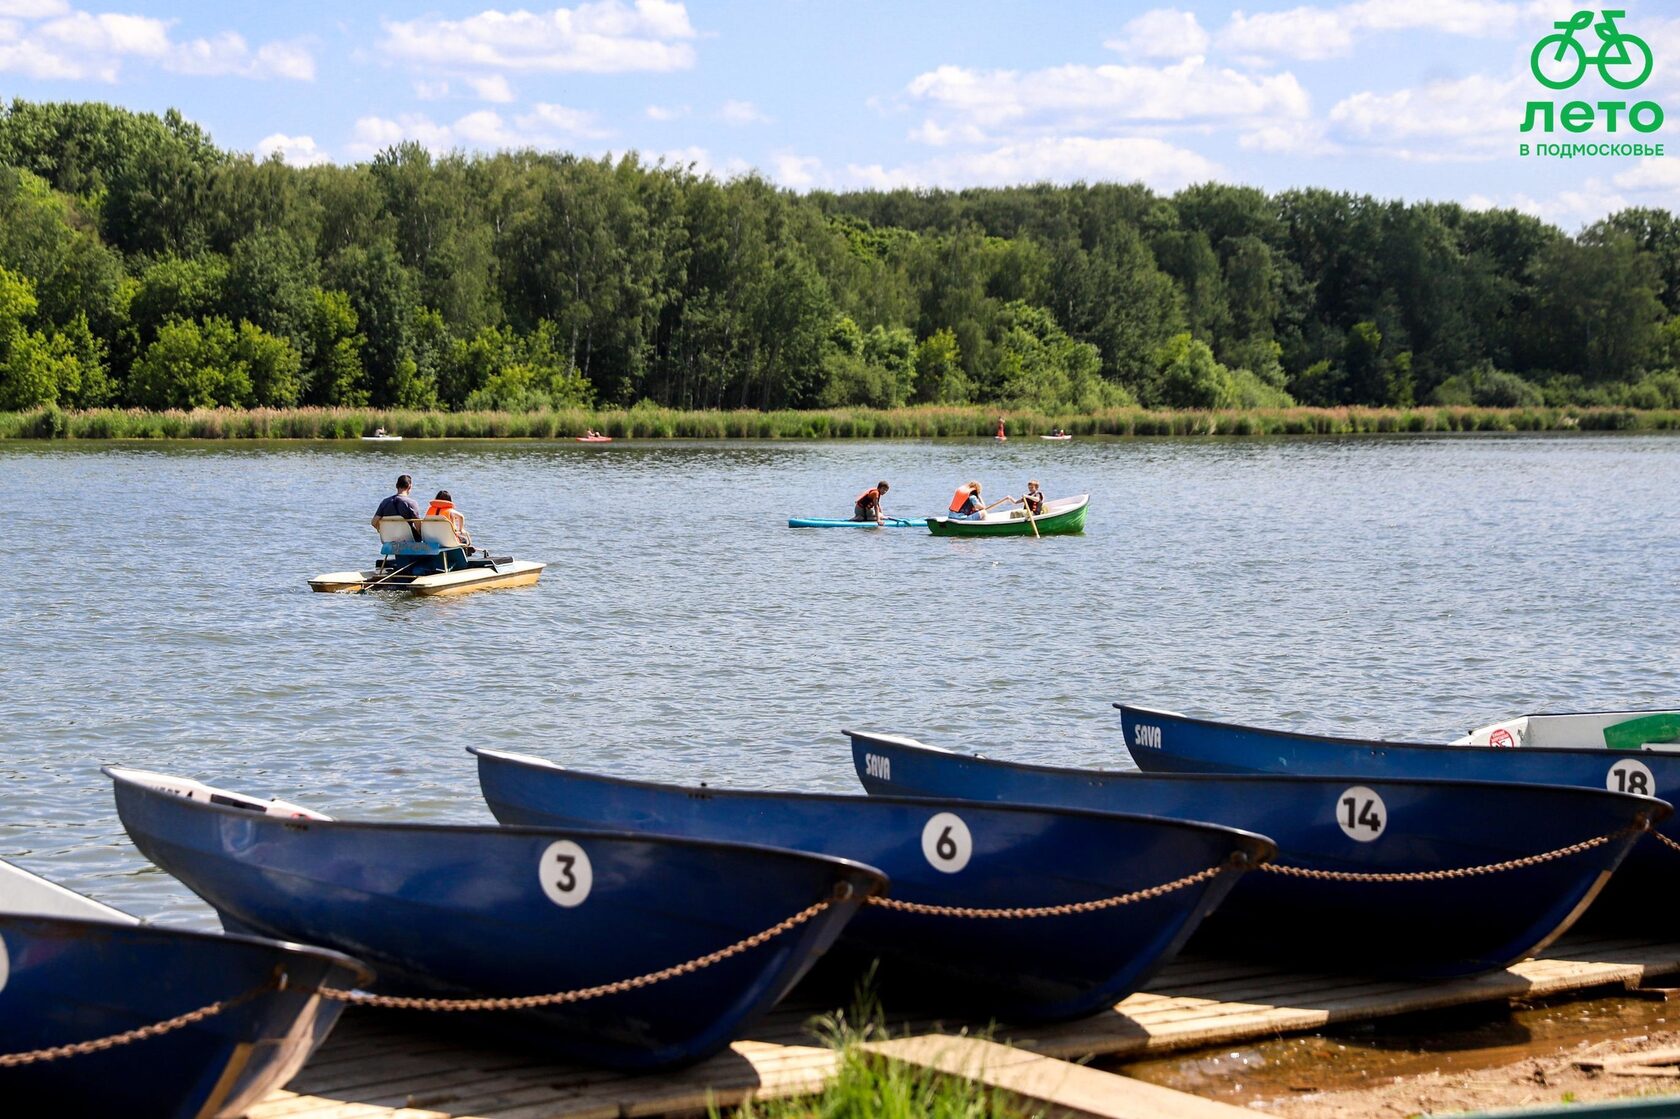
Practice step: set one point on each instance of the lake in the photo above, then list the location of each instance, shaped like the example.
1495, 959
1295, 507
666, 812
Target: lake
157, 614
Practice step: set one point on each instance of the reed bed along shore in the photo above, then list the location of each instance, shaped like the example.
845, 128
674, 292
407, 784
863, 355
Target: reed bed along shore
644, 422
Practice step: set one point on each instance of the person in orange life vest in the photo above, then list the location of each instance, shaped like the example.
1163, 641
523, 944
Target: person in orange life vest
444, 506
867, 507
967, 505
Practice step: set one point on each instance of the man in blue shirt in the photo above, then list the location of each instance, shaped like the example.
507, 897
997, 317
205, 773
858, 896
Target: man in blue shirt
400, 504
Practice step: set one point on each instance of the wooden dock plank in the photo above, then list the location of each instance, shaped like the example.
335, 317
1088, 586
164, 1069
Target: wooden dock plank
380, 1067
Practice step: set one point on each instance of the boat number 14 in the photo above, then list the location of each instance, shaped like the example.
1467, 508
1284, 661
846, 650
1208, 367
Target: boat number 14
946, 842
1361, 814
565, 873
1629, 776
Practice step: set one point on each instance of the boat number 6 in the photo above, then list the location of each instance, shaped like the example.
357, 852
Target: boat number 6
1629, 776
565, 873
1361, 814
946, 842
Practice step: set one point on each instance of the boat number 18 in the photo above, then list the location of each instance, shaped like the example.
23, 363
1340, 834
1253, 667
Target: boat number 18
1361, 814
946, 842
565, 873
1630, 776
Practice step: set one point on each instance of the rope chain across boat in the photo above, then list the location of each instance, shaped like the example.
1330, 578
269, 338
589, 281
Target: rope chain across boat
140, 1033
1056, 910
1667, 842
581, 994
1457, 872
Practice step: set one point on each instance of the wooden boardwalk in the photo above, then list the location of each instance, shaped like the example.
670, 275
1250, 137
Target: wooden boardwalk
372, 1068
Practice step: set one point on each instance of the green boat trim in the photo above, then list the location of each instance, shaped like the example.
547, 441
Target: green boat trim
1062, 517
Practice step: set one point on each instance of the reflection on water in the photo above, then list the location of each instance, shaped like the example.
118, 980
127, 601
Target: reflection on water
157, 615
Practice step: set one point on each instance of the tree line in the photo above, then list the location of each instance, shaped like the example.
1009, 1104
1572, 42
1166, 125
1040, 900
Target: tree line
141, 265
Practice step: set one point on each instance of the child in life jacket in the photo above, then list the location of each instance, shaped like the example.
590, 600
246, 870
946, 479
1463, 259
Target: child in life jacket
1033, 499
966, 503
444, 506
867, 507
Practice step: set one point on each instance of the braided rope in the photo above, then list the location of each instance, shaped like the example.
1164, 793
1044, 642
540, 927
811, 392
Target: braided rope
140, 1033
1456, 872
1666, 842
582, 994
1051, 910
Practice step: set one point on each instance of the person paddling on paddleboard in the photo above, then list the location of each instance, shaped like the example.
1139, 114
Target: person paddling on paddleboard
867, 507
400, 504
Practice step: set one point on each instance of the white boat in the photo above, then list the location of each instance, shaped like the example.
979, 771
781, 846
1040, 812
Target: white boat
1056, 438
379, 436
1610, 730
438, 563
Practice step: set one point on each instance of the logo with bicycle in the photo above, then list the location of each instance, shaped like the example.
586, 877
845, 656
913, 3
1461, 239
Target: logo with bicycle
1560, 60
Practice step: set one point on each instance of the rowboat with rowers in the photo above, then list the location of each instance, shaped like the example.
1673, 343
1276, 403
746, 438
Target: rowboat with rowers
1063, 516
428, 556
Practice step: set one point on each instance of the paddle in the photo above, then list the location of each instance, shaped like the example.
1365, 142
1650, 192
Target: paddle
369, 586
1032, 518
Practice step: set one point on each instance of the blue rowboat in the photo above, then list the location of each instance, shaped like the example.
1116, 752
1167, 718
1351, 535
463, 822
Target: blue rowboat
944, 854
1547, 750
74, 970
834, 522
1426, 928
463, 911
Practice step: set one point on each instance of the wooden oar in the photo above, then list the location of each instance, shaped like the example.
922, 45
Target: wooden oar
1031, 518
369, 586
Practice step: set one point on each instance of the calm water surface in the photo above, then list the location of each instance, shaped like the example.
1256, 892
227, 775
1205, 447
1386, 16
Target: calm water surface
157, 615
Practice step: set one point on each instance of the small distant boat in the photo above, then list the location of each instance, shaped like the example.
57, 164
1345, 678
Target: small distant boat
1621, 751
594, 437
471, 911
1064, 516
836, 522
942, 853
1311, 904
440, 562
1060, 437
74, 970
379, 436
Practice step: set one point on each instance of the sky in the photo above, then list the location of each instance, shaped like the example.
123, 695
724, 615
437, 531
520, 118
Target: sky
1412, 99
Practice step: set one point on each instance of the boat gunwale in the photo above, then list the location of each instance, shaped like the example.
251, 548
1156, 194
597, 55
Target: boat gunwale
891, 799
307, 823
1383, 743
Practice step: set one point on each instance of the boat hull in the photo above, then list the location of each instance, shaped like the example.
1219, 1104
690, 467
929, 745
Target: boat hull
834, 522
517, 573
1641, 893
1421, 929
1052, 522
462, 911
1059, 967
66, 980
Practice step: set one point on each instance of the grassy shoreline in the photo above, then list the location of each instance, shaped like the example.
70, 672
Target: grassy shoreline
644, 422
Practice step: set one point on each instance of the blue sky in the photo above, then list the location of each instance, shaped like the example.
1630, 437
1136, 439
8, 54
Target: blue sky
1398, 98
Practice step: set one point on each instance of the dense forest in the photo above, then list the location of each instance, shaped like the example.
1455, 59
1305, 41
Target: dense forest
141, 265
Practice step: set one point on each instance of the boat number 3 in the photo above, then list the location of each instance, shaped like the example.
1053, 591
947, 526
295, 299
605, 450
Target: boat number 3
1629, 776
946, 842
565, 873
874, 765
1361, 813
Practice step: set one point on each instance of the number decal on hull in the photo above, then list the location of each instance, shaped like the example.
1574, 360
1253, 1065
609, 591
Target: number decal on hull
874, 765
1629, 776
946, 842
565, 873
1361, 814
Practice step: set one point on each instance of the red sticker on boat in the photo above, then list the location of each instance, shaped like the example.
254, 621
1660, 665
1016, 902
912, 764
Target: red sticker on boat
1501, 737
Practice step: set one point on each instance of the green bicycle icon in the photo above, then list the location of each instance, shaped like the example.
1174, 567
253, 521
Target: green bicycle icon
1614, 52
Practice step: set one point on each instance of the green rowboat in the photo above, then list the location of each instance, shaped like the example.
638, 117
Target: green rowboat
1060, 517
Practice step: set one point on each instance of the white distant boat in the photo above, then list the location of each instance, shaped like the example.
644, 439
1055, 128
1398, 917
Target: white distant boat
379, 436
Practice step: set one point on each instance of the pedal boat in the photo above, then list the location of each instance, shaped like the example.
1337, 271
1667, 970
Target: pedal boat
440, 562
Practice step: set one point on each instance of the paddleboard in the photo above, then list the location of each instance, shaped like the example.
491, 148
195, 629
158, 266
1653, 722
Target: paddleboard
831, 522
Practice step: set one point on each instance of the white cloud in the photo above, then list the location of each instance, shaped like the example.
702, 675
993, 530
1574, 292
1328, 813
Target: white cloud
667, 112
299, 151
1651, 175
375, 134
1162, 33
702, 162
742, 113
1075, 98
431, 91
1465, 119
1570, 210
545, 126
79, 45
493, 88
1060, 159
1305, 137
606, 37
547, 120
1315, 33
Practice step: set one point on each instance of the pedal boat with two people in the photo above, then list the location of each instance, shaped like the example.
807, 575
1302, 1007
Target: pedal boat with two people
429, 557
